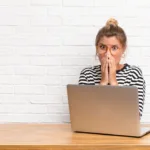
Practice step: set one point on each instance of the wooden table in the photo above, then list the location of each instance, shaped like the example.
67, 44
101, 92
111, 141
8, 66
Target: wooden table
60, 136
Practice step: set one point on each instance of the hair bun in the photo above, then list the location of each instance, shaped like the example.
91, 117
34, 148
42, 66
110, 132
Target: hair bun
112, 21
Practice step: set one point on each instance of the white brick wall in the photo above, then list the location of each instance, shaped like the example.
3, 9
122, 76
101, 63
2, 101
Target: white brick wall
44, 44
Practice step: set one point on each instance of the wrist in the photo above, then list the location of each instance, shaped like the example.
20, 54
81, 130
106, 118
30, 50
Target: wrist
103, 83
114, 83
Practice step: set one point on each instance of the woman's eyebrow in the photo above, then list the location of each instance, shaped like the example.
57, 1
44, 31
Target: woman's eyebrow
102, 44
108, 45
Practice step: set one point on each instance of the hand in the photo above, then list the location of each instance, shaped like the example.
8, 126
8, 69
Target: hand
104, 70
112, 70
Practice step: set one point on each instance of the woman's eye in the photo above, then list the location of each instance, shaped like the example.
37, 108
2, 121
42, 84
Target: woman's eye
102, 46
114, 48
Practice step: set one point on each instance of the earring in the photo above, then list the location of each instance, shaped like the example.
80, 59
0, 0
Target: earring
123, 55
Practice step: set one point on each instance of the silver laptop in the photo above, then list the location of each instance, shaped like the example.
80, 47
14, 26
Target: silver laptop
112, 110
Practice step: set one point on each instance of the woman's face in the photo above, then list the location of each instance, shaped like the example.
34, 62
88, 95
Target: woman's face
110, 45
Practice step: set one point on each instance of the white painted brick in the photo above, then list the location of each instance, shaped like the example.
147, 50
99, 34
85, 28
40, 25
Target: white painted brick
143, 61
147, 97
6, 70
65, 99
78, 3
113, 11
54, 108
6, 60
14, 3
139, 41
42, 61
76, 61
30, 11
73, 30
54, 70
20, 60
56, 90
6, 79
145, 52
69, 80
143, 12
6, 50
139, 3
46, 21
10, 20
44, 40
45, 80
134, 22
23, 109
71, 70
79, 40
30, 30
6, 89
66, 118
45, 99
147, 88
71, 11
26, 40
7, 30
46, 2
55, 10
29, 89
146, 108
132, 61
66, 109
44, 45
145, 118
71, 50
145, 70
65, 70
30, 70
142, 32
21, 79
80, 21
147, 79
32, 118
14, 99
108, 3
31, 50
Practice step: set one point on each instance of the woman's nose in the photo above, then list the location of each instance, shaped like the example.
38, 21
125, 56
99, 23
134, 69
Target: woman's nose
108, 52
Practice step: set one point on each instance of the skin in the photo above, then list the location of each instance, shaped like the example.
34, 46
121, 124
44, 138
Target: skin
110, 51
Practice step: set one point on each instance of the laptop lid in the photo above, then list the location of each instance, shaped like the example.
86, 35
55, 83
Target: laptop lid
104, 109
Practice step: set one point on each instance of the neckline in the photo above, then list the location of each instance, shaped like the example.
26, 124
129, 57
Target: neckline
125, 65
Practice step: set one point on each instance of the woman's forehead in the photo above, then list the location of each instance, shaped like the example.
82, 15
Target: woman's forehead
109, 41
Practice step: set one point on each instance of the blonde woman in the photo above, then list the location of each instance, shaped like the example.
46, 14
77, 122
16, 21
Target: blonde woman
111, 43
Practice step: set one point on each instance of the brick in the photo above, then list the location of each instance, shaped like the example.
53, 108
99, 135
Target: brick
46, 2
78, 3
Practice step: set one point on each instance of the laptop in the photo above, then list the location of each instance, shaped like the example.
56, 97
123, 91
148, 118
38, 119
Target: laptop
105, 109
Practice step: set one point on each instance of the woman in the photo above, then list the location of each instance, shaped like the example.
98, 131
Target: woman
111, 43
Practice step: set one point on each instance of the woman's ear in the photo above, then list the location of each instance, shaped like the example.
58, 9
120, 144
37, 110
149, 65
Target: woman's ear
124, 48
96, 50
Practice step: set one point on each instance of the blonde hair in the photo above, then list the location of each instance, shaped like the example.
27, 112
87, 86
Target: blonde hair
112, 29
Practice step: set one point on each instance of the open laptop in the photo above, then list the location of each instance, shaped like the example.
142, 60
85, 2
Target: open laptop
106, 109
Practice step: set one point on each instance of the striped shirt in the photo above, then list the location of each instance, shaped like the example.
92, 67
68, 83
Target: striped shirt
127, 76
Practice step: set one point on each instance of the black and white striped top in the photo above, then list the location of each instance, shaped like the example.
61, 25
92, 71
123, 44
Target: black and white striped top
127, 76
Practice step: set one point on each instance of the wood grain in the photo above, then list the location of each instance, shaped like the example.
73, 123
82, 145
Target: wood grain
60, 136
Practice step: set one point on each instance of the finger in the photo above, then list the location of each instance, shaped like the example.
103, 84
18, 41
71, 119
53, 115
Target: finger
104, 66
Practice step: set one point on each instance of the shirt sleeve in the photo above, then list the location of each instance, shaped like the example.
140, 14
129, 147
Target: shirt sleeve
139, 82
82, 79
